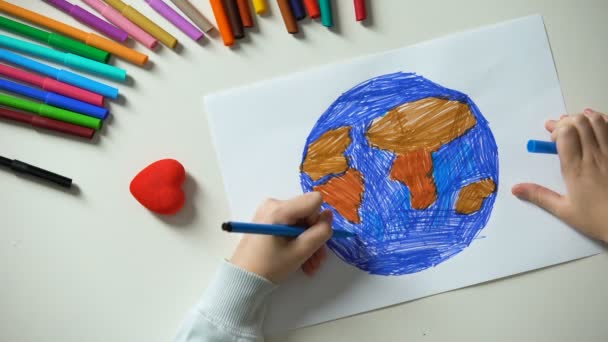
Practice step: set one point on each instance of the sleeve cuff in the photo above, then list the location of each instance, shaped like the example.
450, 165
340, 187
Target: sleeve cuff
236, 300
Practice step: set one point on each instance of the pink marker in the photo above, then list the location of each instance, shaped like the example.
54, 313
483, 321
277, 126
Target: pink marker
119, 20
50, 84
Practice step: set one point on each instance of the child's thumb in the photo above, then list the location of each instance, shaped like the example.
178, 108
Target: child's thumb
542, 197
314, 237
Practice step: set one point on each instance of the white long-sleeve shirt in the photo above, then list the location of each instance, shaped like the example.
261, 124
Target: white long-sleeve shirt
231, 309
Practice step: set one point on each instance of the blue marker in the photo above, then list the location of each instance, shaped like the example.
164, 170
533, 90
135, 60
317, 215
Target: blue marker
68, 59
297, 7
59, 75
55, 99
537, 146
274, 229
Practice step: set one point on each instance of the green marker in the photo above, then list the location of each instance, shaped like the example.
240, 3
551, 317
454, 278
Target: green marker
56, 40
50, 111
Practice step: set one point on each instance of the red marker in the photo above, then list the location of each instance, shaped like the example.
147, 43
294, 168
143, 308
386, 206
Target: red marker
46, 123
312, 7
360, 11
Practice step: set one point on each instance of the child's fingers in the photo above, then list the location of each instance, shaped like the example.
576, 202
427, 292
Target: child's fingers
550, 125
589, 144
322, 253
542, 197
311, 266
315, 259
568, 145
600, 128
299, 207
589, 110
314, 237
307, 268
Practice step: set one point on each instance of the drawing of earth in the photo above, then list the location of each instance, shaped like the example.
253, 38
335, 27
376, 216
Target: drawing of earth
409, 166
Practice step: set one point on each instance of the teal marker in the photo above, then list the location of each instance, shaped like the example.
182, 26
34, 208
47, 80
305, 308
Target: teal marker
65, 58
326, 17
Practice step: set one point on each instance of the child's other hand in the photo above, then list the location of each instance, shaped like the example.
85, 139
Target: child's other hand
273, 257
582, 144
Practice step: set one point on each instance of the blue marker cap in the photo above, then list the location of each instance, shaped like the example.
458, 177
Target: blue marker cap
537, 146
55, 99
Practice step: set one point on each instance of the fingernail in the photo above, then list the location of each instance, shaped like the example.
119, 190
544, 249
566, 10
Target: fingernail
517, 192
589, 111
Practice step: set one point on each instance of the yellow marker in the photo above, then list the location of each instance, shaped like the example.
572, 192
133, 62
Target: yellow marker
143, 22
259, 6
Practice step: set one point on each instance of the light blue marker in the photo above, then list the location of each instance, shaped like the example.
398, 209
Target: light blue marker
59, 74
65, 58
56, 100
537, 146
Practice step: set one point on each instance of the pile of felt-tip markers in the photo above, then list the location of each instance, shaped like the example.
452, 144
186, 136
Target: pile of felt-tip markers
48, 97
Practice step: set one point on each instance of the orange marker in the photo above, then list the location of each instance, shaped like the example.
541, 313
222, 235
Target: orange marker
86, 37
222, 21
245, 12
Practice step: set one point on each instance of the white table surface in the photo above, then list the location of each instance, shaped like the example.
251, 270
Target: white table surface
94, 265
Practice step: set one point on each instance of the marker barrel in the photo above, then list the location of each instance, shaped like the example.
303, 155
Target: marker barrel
234, 17
191, 12
176, 19
65, 58
59, 75
25, 168
119, 20
223, 23
51, 85
360, 10
326, 16
46, 123
312, 8
537, 146
90, 20
55, 99
297, 7
55, 40
245, 13
143, 22
260, 6
288, 18
50, 111
86, 37
275, 229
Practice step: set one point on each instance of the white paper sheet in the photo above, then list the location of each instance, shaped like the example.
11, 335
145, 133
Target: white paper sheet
507, 70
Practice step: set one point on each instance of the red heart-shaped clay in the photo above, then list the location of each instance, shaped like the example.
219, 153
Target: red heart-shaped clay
158, 186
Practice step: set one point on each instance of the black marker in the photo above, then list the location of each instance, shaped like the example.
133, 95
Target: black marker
21, 167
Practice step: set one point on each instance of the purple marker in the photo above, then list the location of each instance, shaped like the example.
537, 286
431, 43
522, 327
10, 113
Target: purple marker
177, 20
90, 19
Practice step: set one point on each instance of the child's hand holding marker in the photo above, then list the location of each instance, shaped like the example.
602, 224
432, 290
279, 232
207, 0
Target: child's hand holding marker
582, 145
274, 257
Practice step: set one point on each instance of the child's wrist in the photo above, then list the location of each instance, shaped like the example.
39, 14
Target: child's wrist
236, 299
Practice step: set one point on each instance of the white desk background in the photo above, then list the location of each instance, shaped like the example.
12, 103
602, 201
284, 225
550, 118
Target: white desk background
94, 265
